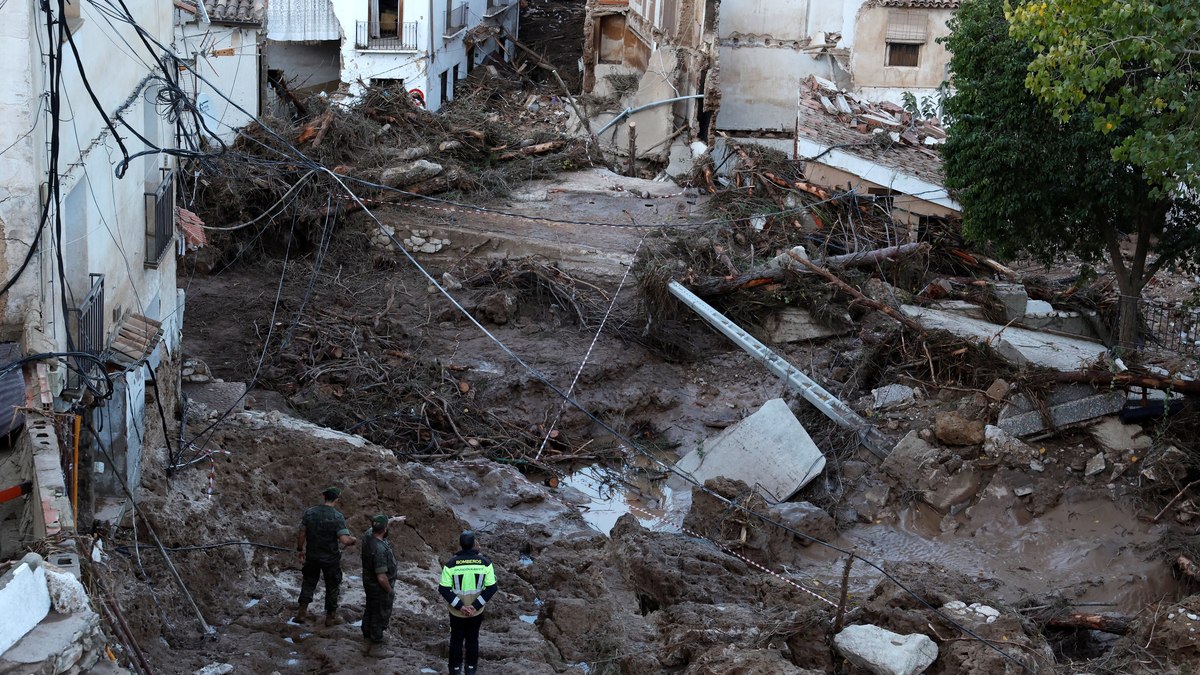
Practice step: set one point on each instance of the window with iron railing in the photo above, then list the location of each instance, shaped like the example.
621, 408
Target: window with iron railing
85, 329
456, 18
403, 38
160, 219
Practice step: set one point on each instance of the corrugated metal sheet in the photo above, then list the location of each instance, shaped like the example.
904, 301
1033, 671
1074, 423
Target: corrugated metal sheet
12, 389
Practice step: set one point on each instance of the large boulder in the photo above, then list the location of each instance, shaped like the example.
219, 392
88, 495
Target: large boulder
883, 652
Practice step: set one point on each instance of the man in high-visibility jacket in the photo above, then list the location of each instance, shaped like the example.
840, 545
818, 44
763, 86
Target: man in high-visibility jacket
468, 582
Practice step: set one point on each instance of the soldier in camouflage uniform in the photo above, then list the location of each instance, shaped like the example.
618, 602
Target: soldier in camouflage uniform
379, 577
321, 530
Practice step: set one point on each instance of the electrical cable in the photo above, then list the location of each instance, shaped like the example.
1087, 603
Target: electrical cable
616, 434
205, 547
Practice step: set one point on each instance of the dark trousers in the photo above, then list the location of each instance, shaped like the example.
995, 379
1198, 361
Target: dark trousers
313, 570
464, 629
376, 614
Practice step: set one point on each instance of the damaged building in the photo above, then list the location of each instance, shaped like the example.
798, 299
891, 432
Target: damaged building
681, 72
423, 47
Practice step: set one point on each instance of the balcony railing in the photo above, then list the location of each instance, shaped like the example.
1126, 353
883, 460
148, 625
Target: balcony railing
404, 41
160, 219
85, 325
456, 19
495, 7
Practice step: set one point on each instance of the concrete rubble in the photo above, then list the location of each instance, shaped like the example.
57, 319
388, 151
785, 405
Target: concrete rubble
1066, 405
1019, 345
769, 450
882, 652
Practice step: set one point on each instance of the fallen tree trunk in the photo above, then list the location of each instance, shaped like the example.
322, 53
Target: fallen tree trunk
857, 294
721, 285
1116, 625
538, 149
1104, 378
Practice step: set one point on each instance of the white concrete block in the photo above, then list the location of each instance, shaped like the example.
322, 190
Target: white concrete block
24, 602
769, 450
1018, 345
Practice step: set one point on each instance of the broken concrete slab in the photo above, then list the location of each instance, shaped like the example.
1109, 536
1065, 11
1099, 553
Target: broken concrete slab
1019, 345
909, 459
891, 396
1114, 435
1095, 465
795, 324
880, 651
1081, 410
807, 518
958, 489
769, 450
409, 173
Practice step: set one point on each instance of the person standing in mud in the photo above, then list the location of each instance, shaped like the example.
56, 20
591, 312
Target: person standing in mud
379, 577
468, 582
322, 529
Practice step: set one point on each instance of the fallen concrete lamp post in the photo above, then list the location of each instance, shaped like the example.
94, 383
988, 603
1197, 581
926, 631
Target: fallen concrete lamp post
832, 407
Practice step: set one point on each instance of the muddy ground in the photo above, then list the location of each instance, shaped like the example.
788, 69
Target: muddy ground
596, 575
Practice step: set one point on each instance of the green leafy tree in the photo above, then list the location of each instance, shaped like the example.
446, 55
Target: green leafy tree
1133, 65
1031, 182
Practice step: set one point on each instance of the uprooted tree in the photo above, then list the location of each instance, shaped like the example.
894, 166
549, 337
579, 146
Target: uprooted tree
1035, 182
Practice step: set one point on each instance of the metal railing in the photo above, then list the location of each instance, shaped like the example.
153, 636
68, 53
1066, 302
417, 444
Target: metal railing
160, 219
85, 328
1173, 327
404, 41
456, 18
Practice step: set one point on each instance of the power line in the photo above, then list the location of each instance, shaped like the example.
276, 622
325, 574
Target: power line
312, 164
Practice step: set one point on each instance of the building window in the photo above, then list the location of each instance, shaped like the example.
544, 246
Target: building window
610, 47
907, 30
903, 55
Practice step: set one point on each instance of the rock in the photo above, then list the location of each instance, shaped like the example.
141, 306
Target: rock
806, 518
1003, 446
1023, 491
415, 152
447, 146
67, 595
407, 174
499, 308
1038, 308
953, 428
795, 324
891, 396
909, 460
429, 248
958, 489
883, 652
450, 282
215, 669
999, 390
1116, 436
1094, 465
883, 292
1036, 466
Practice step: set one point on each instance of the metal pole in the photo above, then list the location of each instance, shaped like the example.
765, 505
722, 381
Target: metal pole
827, 403
632, 111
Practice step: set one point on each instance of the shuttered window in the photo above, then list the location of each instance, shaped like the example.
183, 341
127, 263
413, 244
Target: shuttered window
907, 27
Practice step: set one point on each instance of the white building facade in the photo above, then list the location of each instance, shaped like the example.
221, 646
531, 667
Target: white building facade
87, 241
422, 46
221, 40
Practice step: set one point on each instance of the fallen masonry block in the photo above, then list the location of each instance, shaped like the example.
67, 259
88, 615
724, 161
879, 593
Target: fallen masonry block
795, 324
769, 450
1080, 410
878, 650
1018, 345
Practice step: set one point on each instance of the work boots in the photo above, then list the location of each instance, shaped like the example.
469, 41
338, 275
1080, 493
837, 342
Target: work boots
377, 650
332, 619
455, 670
470, 670
302, 615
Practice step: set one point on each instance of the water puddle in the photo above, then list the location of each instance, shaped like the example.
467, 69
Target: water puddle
655, 500
527, 618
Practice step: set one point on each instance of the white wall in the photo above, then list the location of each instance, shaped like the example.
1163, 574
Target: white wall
434, 54
236, 74
106, 216
24, 602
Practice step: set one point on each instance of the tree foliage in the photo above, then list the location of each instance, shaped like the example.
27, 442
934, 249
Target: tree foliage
1028, 182
1036, 182
1133, 65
